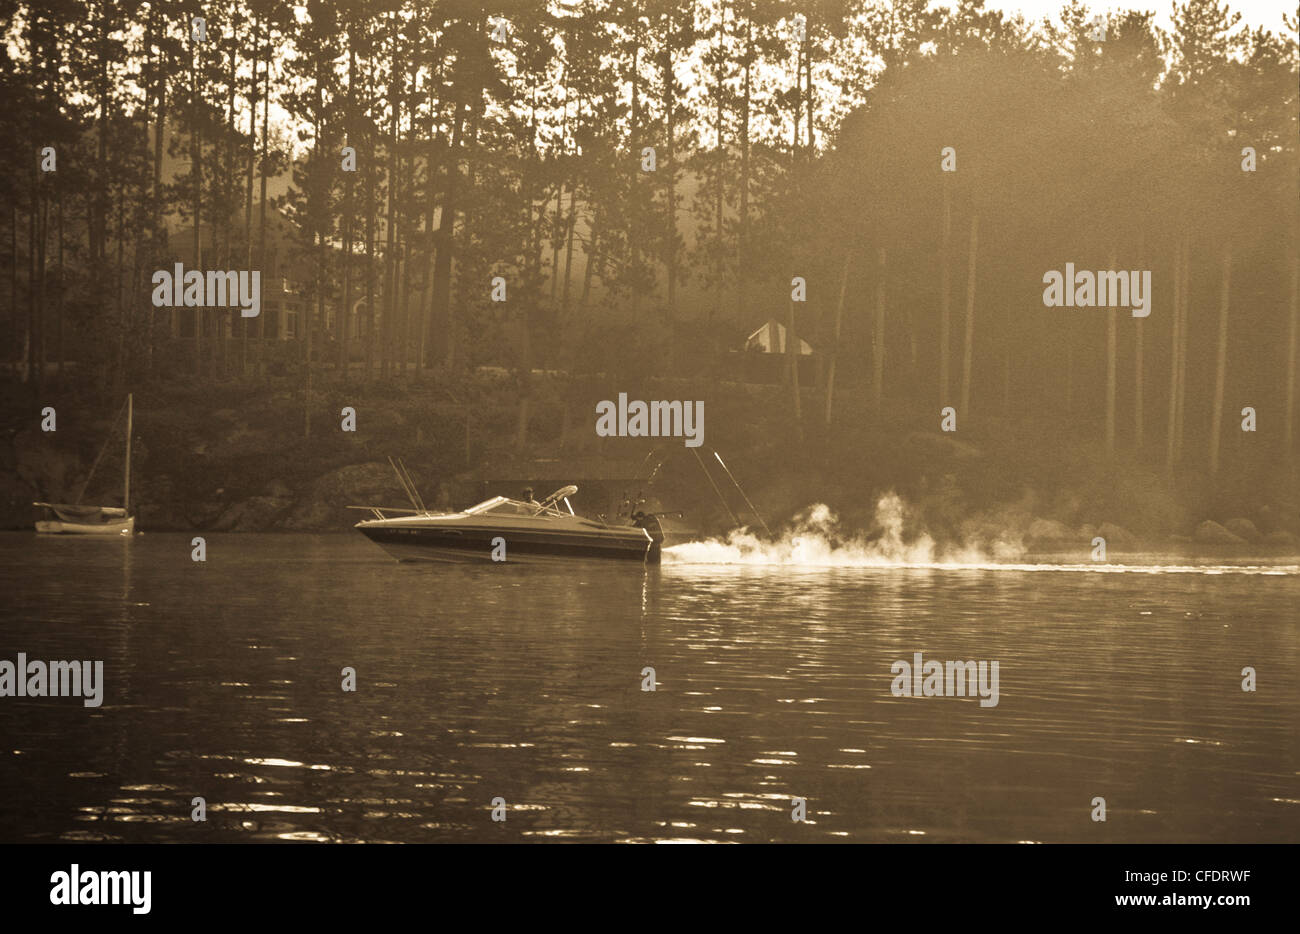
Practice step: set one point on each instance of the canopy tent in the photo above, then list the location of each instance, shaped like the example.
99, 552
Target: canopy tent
770, 338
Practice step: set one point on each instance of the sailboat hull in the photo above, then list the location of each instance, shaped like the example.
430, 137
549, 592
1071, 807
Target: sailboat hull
112, 527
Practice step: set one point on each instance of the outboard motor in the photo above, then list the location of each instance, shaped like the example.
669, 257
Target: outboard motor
665, 528
650, 522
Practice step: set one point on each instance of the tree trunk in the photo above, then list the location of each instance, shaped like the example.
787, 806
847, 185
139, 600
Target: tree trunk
390, 225
58, 302
1185, 294
196, 169
29, 339
1111, 324
570, 226
13, 276
945, 300
557, 238
38, 333
835, 341
431, 210
635, 182
370, 252
345, 312
1221, 360
792, 357
1175, 341
593, 245
742, 227
572, 222
970, 316
808, 97
248, 193
307, 390
261, 207
404, 296
1069, 376
226, 317
721, 163
798, 104
1138, 427
122, 320
1006, 381
446, 237
156, 227
1288, 444
878, 336
1139, 413
670, 144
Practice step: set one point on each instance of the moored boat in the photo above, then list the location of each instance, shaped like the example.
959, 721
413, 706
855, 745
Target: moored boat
76, 519
69, 519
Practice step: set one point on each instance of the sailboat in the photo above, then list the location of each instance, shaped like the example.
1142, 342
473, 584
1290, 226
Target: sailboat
75, 519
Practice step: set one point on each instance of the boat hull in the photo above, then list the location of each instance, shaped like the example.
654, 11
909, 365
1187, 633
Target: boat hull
60, 527
469, 545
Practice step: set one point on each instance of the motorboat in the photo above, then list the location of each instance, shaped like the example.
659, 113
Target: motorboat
505, 529
76, 519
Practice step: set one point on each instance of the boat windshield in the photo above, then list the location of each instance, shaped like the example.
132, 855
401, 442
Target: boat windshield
500, 506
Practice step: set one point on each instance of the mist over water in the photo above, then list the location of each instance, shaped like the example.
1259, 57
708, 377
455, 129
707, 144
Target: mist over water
815, 538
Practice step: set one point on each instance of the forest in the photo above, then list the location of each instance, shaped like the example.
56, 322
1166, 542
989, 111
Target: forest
580, 197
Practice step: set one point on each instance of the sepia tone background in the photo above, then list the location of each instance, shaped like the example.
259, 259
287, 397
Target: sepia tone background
649, 180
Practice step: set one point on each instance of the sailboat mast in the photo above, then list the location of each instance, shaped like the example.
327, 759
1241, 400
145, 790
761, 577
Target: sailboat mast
126, 490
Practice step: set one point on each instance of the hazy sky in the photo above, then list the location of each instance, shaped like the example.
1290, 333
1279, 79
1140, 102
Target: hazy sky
1253, 12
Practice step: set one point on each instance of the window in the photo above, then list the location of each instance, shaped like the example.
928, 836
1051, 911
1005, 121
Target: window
511, 509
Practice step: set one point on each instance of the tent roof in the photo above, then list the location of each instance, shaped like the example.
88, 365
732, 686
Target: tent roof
770, 338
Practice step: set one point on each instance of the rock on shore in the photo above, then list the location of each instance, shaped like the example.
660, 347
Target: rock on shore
1210, 532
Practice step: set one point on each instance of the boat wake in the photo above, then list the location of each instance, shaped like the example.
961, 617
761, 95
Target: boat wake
815, 540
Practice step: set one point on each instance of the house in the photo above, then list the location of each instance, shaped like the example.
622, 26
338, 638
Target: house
285, 273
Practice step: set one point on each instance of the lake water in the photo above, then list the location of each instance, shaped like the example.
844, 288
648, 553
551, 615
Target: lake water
223, 680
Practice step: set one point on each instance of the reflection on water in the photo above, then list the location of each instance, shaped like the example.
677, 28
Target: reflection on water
223, 681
